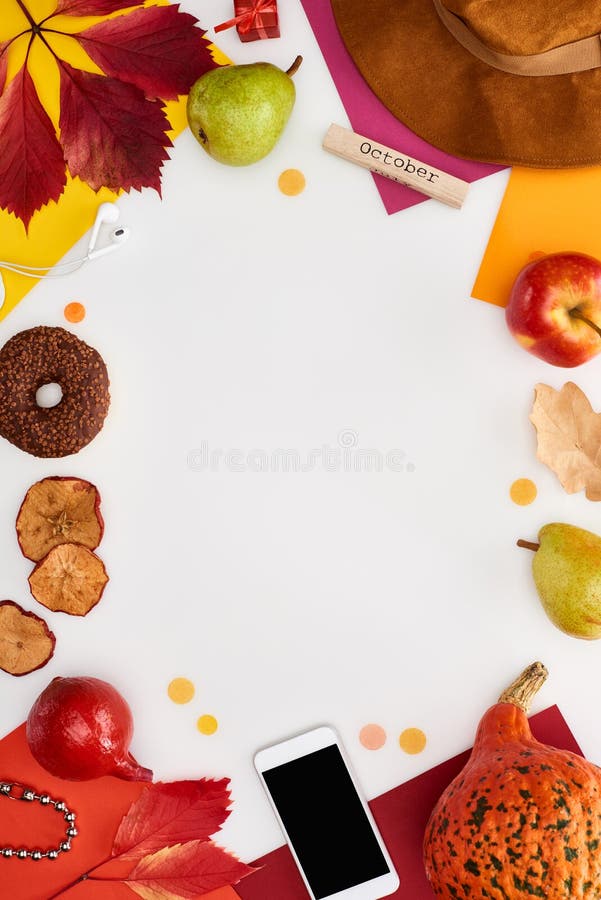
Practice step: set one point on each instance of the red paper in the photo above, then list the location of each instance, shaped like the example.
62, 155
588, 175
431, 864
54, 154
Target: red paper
99, 805
401, 814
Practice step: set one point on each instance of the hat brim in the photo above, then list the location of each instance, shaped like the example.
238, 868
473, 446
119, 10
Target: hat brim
461, 105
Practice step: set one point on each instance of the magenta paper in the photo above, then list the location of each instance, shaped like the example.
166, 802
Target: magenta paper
370, 117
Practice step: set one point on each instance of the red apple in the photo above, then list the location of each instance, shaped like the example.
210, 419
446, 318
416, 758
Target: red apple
554, 309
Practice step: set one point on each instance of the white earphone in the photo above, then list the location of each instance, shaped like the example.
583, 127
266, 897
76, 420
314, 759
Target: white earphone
107, 214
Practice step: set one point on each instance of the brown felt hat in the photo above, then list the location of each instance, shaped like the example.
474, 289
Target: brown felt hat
506, 81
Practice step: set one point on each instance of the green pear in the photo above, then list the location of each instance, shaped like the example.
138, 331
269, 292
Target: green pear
567, 573
237, 113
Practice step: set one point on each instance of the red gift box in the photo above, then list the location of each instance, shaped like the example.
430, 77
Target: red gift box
254, 20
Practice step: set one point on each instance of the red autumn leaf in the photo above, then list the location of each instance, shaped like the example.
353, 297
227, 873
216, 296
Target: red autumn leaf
158, 49
112, 136
92, 7
113, 127
3, 63
32, 167
172, 813
184, 871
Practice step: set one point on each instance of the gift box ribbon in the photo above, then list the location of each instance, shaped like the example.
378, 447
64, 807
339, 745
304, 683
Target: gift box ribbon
247, 20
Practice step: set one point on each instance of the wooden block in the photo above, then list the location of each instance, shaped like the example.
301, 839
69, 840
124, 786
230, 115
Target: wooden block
395, 165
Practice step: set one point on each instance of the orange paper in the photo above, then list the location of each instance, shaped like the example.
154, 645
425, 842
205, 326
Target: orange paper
99, 805
543, 211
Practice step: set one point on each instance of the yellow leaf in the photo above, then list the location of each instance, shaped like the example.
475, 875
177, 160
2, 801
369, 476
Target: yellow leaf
569, 437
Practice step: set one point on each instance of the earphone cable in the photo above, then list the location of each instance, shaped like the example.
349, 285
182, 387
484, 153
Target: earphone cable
44, 271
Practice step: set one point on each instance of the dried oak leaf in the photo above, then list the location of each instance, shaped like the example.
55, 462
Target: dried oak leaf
26, 642
184, 871
59, 510
569, 437
169, 813
69, 579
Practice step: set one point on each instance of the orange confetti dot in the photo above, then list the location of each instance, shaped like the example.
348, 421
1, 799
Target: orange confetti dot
372, 737
75, 312
412, 740
292, 182
523, 491
180, 690
207, 724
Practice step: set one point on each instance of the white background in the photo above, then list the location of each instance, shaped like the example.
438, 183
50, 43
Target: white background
246, 319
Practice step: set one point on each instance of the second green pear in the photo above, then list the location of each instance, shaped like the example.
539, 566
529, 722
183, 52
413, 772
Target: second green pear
567, 573
237, 113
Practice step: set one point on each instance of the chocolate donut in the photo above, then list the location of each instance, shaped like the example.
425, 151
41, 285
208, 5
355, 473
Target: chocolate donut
45, 355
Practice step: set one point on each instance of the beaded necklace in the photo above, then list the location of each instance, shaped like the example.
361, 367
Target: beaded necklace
16, 791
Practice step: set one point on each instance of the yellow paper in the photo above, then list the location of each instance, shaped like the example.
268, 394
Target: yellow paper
543, 211
55, 228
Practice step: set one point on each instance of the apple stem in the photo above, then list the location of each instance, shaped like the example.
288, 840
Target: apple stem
576, 314
294, 67
528, 545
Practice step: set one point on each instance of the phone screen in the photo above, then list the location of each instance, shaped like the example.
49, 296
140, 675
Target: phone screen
326, 823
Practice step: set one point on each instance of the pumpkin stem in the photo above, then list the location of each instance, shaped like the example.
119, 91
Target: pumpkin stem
523, 690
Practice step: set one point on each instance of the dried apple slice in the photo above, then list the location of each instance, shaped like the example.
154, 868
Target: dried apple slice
69, 579
59, 511
26, 642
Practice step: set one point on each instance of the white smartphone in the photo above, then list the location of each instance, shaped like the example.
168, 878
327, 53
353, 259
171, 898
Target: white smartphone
327, 823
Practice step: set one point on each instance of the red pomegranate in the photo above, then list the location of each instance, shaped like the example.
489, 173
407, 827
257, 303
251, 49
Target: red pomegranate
81, 728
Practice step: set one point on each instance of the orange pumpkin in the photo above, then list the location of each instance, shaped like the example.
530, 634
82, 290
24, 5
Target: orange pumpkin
522, 819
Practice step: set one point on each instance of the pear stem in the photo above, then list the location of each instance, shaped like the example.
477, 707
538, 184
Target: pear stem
523, 690
294, 67
528, 545
576, 314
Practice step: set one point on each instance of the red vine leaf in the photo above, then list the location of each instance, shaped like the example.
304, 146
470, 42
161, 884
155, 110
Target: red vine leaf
172, 813
32, 167
158, 49
111, 134
113, 127
92, 7
184, 871
3, 63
